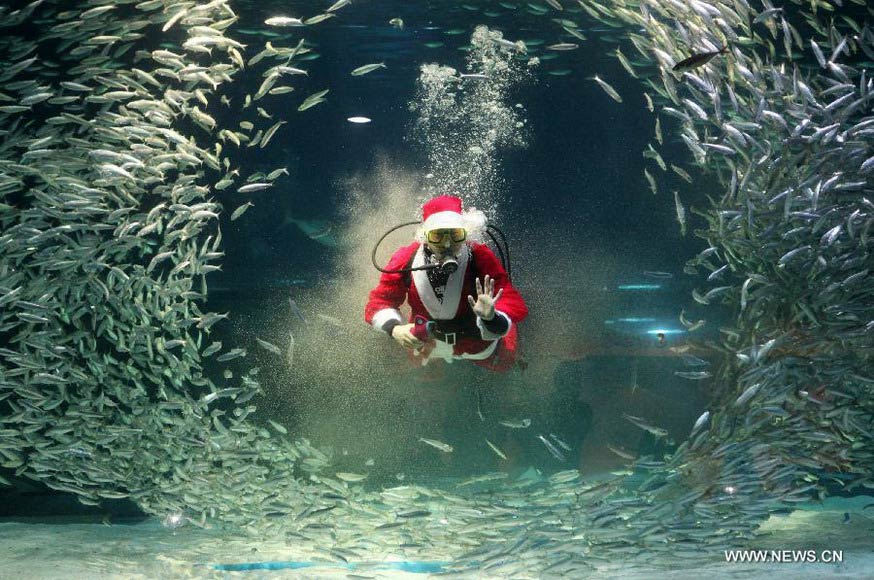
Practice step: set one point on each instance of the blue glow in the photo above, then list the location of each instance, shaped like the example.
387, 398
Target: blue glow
629, 320
639, 286
665, 331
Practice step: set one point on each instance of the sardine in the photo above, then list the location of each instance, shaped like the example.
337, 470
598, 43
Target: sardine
367, 68
551, 448
607, 88
496, 450
516, 424
444, 447
698, 59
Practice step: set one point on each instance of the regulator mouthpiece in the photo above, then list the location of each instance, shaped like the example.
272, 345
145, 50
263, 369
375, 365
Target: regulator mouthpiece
449, 265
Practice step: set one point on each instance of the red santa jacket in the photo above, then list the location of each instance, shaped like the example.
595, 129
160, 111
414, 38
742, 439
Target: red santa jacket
385, 300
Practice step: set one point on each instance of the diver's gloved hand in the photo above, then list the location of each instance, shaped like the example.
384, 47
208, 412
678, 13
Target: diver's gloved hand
484, 306
402, 333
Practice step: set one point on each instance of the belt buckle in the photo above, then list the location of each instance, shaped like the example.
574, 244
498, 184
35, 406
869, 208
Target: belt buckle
449, 338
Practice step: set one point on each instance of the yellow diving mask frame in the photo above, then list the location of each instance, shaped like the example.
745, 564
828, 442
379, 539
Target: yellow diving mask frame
455, 234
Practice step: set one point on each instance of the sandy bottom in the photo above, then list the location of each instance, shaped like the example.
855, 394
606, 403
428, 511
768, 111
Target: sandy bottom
52, 549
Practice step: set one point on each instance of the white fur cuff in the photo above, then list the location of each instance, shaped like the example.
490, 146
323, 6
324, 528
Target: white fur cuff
384, 315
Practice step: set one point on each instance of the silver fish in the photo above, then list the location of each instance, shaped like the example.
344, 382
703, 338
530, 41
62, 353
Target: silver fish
551, 448
607, 88
444, 447
367, 68
497, 451
516, 424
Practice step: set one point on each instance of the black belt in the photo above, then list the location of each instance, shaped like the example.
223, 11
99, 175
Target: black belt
449, 333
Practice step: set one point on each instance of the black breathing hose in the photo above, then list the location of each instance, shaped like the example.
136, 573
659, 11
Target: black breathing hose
505, 260
401, 270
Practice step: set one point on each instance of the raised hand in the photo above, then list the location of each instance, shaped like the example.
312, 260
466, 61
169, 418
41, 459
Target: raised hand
484, 305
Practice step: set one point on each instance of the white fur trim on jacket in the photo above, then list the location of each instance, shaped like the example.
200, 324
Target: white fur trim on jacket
384, 315
488, 334
444, 351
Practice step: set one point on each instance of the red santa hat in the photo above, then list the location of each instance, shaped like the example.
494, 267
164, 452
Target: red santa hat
442, 212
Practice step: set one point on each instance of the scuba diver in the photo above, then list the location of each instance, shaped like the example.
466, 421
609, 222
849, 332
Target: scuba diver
434, 274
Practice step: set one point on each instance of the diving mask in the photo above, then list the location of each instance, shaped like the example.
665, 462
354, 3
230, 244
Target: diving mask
456, 235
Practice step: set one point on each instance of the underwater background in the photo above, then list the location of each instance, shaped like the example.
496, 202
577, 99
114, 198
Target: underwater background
192, 371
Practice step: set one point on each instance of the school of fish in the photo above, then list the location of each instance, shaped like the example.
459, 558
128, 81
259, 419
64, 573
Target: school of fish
109, 155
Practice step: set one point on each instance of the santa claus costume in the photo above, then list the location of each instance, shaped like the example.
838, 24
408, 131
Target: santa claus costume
442, 297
